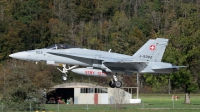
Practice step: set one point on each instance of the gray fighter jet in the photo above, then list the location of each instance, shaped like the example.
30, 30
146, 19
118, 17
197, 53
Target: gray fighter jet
101, 63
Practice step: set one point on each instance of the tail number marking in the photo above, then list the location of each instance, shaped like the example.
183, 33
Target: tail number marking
145, 56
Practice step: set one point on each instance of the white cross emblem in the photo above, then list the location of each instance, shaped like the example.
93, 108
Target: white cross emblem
152, 47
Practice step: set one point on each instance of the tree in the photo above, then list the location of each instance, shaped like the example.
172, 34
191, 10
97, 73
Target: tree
183, 50
158, 83
135, 40
26, 11
24, 85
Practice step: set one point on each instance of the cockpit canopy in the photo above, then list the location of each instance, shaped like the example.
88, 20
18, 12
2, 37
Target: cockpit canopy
60, 46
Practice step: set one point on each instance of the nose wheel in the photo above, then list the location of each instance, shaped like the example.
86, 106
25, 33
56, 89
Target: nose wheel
64, 77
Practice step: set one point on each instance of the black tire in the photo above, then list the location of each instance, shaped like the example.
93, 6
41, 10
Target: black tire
111, 84
118, 84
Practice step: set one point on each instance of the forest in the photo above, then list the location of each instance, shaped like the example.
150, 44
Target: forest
121, 25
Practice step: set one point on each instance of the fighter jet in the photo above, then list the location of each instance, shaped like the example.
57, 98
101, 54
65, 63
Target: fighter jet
103, 63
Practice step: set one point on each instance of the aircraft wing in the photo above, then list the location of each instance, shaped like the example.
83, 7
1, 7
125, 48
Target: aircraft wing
142, 67
125, 65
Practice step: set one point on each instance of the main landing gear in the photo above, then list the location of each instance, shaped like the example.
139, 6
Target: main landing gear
115, 82
65, 70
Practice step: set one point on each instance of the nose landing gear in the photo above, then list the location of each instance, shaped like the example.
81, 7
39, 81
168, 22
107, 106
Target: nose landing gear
65, 70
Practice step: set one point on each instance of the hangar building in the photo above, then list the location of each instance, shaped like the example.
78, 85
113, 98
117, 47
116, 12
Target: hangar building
86, 93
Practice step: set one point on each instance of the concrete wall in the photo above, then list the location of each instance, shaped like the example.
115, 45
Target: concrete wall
114, 96
103, 98
118, 96
83, 98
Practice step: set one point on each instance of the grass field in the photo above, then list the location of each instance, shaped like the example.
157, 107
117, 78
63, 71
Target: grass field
150, 103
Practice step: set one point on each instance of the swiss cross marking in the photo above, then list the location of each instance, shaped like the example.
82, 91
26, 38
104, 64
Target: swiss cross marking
152, 47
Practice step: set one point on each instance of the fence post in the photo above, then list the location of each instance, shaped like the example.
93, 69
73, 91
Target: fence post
30, 106
2, 107
58, 107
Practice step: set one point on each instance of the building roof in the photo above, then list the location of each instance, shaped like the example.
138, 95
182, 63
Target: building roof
77, 85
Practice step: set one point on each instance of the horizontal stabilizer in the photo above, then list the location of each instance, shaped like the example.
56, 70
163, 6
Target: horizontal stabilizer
177, 67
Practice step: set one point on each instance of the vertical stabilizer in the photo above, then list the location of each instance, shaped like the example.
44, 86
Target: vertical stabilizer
152, 50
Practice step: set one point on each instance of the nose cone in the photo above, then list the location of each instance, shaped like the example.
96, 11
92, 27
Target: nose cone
19, 55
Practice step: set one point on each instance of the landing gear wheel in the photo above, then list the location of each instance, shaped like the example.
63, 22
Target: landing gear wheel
65, 70
111, 84
64, 77
118, 84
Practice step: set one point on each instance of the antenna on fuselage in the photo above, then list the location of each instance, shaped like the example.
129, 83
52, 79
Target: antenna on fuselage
56, 46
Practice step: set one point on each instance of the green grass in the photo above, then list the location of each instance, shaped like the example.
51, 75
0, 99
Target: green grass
165, 101
150, 103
